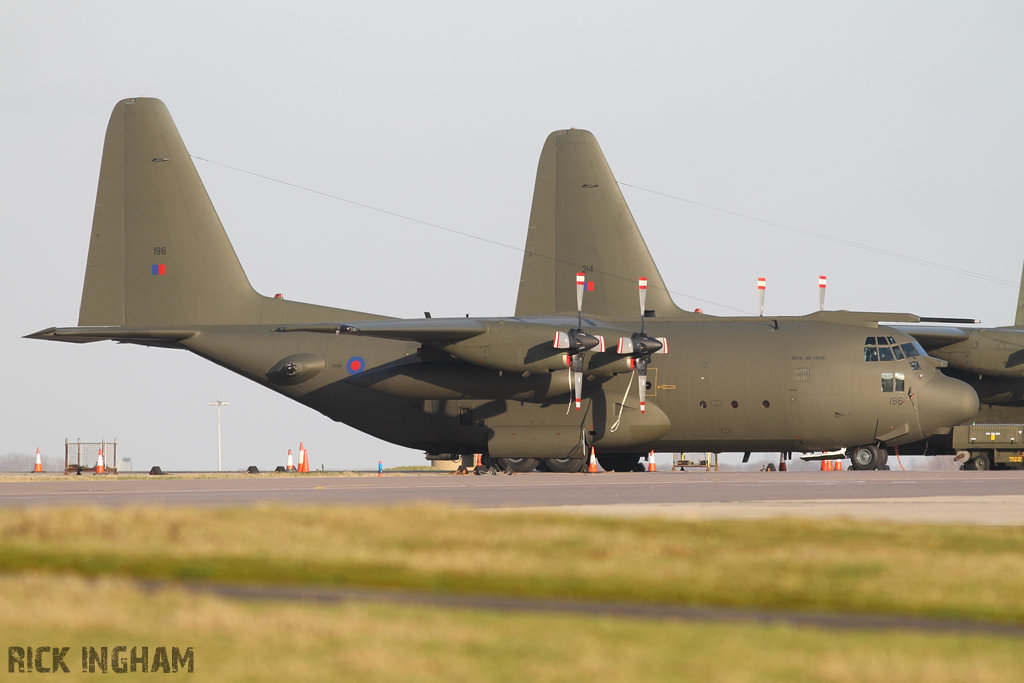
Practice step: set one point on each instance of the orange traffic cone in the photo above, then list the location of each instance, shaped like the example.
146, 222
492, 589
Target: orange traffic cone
837, 465
782, 463
651, 466
302, 457
100, 469
824, 465
592, 467
477, 460
39, 462
290, 467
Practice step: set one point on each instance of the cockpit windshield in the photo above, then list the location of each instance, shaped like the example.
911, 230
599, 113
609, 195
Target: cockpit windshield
886, 349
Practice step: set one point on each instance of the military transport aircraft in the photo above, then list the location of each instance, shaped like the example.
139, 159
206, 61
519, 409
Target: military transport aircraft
584, 363
991, 360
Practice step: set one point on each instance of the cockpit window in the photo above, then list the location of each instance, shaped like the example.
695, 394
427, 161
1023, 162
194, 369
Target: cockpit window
891, 341
898, 352
870, 353
887, 382
885, 353
912, 350
870, 341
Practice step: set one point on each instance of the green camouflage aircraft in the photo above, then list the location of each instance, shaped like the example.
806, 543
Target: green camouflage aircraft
584, 362
991, 360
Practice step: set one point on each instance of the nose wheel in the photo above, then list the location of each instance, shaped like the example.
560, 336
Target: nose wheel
868, 458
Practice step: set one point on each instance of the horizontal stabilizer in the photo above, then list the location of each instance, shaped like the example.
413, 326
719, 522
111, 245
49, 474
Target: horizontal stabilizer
425, 331
128, 335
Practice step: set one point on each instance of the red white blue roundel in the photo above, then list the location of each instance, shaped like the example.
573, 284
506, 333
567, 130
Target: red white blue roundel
355, 365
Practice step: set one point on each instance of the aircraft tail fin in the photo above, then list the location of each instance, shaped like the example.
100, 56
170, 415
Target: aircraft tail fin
1019, 319
158, 254
580, 223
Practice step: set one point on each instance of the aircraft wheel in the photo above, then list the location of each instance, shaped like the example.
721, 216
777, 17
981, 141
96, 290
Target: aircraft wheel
979, 462
883, 459
520, 464
565, 465
865, 458
619, 462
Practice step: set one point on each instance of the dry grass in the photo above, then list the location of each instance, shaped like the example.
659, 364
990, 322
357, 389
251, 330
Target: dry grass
267, 641
962, 572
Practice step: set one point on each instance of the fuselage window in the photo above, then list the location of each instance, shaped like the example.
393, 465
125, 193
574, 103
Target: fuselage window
910, 350
914, 365
898, 352
887, 382
870, 353
900, 381
870, 341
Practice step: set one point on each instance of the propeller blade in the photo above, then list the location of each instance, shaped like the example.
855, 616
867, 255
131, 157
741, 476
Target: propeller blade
642, 374
578, 381
760, 294
643, 296
561, 340
821, 292
581, 281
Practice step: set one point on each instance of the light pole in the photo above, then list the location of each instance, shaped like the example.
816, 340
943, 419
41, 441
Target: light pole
219, 403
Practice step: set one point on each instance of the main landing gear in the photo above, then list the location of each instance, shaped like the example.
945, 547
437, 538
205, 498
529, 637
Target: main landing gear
869, 458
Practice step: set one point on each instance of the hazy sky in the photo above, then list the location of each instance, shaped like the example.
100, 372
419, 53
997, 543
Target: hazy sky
893, 125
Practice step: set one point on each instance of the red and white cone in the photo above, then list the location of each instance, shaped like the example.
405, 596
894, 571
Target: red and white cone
651, 465
592, 466
302, 457
290, 467
39, 462
100, 469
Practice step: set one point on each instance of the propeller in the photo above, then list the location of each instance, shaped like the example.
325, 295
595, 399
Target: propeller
577, 342
640, 347
821, 292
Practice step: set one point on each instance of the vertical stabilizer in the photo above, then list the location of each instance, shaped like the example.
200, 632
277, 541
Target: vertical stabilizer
158, 254
1018, 321
580, 223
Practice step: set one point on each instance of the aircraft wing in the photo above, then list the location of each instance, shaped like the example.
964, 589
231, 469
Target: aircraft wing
427, 330
934, 337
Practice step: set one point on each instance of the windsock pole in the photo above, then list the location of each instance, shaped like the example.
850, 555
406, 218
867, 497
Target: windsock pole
39, 461
761, 282
821, 292
380, 468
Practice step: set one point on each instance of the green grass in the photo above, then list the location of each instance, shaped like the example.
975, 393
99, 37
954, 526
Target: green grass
951, 572
357, 642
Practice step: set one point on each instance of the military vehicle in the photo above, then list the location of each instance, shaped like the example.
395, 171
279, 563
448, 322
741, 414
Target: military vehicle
596, 355
991, 360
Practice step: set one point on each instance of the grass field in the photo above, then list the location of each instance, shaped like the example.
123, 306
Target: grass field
355, 642
951, 572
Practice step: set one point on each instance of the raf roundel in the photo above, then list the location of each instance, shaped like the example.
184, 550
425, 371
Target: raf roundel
355, 365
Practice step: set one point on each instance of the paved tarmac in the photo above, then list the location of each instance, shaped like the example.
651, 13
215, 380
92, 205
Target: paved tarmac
937, 496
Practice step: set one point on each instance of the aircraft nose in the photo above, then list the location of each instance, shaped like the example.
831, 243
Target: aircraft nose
945, 402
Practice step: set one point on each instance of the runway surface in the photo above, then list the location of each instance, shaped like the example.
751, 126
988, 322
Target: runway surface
926, 496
